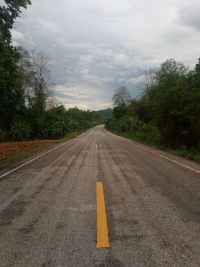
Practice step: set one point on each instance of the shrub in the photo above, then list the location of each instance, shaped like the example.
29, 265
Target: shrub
2, 135
149, 134
20, 132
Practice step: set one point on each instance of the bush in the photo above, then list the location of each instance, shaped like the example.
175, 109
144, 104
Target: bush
149, 134
20, 132
2, 135
127, 124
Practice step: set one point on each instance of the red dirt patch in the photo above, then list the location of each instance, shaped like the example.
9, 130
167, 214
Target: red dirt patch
13, 148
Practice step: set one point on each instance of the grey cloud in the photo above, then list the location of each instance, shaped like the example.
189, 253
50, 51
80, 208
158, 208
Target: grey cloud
97, 46
189, 16
64, 96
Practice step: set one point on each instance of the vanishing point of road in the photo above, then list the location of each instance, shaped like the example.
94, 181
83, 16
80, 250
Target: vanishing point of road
100, 200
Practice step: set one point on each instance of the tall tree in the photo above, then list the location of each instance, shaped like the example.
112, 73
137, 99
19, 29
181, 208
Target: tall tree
39, 62
121, 97
11, 92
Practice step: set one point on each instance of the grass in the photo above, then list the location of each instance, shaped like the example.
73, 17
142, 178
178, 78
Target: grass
38, 147
192, 154
144, 138
69, 136
16, 157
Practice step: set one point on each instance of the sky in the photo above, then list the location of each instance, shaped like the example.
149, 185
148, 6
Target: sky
96, 46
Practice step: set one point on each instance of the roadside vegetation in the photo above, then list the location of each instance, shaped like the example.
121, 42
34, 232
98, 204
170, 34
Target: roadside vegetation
28, 108
167, 113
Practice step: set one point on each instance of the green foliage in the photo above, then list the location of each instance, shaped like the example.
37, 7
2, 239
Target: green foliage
2, 135
126, 123
55, 123
24, 90
173, 104
191, 153
167, 114
119, 111
20, 132
8, 13
148, 134
11, 91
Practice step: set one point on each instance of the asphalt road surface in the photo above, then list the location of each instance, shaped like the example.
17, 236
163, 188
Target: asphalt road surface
48, 206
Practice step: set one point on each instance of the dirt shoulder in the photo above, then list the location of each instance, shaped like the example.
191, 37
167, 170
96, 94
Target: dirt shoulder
12, 149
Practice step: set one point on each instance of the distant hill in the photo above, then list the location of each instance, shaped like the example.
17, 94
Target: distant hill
106, 112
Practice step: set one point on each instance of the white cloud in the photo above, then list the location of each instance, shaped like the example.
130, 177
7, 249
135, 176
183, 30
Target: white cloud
80, 96
46, 26
137, 80
16, 35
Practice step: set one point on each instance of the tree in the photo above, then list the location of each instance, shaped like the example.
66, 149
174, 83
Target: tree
24, 67
150, 78
26, 75
170, 71
171, 66
11, 93
121, 97
119, 111
41, 76
8, 13
34, 77
168, 111
172, 104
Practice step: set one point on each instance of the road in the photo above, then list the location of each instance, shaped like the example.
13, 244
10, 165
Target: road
152, 199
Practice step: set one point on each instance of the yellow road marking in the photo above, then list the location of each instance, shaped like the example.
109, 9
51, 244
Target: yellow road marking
102, 227
97, 146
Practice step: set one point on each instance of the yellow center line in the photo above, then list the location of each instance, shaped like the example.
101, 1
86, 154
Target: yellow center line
102, 227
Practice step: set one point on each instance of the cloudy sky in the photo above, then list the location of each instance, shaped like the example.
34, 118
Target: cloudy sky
96, 46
